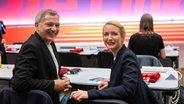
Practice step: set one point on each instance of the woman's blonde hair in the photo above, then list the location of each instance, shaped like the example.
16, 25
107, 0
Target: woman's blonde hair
117, 24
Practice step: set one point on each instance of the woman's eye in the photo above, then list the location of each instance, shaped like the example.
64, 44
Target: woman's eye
114, 33
105, 34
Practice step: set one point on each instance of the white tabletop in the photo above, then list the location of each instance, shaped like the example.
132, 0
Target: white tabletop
171, 51
85, 52
13, 48
6, 71
162, 83
13, 52
84, 76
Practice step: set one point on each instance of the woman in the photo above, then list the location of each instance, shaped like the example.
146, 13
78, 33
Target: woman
146, 41
126, 82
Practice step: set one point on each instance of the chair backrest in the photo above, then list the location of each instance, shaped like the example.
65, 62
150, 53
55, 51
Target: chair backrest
10, 96
148, 60
105, 59
70, 59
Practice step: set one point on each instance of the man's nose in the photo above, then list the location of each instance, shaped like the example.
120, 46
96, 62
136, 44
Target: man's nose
53, 27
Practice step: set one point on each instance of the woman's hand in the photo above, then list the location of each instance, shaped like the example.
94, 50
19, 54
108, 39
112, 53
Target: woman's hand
103, 84
79, 95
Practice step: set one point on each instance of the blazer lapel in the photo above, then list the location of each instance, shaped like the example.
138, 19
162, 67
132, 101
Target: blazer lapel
48, 54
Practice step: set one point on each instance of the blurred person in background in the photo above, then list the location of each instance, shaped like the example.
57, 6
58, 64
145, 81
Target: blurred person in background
146, 41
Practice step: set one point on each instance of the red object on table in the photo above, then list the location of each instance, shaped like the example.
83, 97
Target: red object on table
13, 69
63, 70
151, 77
78, 50
12, 49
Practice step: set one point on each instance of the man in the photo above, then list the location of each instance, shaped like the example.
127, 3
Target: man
37, 65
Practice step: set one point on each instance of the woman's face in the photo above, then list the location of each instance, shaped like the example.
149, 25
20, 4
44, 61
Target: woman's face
112, 37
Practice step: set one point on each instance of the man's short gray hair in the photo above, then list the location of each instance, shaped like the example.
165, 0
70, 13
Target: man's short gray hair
42, 14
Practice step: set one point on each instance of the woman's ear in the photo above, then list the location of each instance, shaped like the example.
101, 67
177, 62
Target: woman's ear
122, 39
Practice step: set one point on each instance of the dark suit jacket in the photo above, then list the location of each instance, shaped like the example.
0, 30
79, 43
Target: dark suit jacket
10, 96
3, 54
35, 68
126, 82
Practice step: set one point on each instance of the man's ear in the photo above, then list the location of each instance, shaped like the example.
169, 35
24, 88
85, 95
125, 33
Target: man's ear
36, 24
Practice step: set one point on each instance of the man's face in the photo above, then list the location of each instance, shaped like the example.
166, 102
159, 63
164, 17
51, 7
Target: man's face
48, 28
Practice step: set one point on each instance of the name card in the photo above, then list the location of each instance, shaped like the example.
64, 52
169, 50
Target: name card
171, 75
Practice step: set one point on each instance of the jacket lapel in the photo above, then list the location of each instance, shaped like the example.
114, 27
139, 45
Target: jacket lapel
48, 54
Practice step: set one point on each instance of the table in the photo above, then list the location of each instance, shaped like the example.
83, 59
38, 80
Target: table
6, 71
162, 84
85, 52
86, 73
5, 75
172, 52
84, 76
170, 87
89, 55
